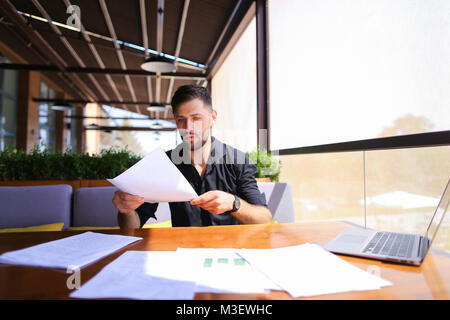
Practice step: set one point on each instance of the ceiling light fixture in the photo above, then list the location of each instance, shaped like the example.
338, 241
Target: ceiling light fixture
159, 64
61, 106
157, 107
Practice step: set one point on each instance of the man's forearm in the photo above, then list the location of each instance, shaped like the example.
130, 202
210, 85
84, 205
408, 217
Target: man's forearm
128, 220
252, 214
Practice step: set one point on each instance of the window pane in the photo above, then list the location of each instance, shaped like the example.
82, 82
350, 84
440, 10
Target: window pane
403, 189
351, 70
234, 94
9, 122
10, 82
47, 134
9, 115
138, 142
326, 186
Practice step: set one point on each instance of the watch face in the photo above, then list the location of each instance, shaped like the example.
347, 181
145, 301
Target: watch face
237, 203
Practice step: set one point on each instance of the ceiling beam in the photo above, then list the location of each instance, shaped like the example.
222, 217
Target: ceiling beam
135, 73
39, 42
159, 43
39, 55
177, 50
115, 118
224, 31
105, 128
86, 38
97, 57
219, 59
119, 52
68, 46
145, 43
75, 101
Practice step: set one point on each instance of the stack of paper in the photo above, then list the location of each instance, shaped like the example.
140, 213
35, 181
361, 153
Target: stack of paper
304, 270
128, 277
71, 252
156, 179
308, 270
174, 275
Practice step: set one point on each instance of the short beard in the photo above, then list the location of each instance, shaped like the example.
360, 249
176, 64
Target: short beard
198, 146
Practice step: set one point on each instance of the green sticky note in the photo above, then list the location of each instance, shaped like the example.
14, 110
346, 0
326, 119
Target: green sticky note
239, 262
222, 260
208, 262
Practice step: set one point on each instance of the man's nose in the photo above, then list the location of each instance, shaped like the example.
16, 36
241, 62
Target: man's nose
189, 125
193, 126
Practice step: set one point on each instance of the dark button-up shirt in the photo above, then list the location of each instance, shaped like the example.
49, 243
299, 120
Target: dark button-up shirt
228, 169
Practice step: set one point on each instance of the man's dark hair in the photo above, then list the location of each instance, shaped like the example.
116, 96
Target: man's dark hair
189, 92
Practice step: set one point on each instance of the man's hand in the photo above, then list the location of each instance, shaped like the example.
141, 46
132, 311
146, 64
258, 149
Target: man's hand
215, 201
126, 203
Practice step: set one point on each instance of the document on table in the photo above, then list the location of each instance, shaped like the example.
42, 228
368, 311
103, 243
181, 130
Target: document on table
156, 179
223, 270
308, 270
175, 275
70, 252
128, 277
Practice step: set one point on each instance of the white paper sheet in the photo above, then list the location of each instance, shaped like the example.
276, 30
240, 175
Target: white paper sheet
156, 179
308, 270
74, 252
128, 277
174, 275
223, 270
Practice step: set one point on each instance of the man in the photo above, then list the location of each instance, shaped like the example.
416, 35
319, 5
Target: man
222, 176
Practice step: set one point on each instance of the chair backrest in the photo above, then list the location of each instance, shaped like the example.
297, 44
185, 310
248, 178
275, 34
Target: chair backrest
93, 207
35, 205
279, 200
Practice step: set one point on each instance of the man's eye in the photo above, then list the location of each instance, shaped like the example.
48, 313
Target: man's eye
197, 118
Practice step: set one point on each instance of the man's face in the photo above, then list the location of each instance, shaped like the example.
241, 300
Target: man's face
194, 121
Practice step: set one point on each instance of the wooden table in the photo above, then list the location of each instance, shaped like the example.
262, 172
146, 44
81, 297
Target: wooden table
429, 281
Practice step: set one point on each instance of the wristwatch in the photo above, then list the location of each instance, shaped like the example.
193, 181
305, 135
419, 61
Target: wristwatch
236, 204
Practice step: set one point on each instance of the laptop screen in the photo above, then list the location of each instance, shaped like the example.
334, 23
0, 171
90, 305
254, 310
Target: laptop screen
438, 215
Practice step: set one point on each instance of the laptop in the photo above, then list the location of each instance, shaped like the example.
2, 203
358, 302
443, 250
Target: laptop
391, 246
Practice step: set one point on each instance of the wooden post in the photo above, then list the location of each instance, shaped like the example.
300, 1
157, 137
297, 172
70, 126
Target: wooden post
81, 133
28, 113
60, 127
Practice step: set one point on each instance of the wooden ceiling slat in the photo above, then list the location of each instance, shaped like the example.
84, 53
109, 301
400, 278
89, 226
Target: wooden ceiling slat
204, 23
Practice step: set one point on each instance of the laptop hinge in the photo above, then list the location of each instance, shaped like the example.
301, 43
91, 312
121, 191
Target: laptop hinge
421, 242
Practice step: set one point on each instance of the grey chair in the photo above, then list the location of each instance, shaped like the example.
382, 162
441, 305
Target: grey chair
279, 200
93, 207
35, 205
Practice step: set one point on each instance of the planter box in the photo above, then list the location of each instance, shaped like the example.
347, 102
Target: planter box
95, 183
74, 183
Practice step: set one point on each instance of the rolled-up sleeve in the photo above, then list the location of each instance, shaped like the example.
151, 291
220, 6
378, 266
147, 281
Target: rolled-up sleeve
247, 187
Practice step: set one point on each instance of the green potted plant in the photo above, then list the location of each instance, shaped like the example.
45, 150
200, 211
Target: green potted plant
267, 164
17, 168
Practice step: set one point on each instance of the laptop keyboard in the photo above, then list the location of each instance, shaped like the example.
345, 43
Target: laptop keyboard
391, 244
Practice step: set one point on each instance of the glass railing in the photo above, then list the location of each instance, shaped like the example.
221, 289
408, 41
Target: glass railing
393, 190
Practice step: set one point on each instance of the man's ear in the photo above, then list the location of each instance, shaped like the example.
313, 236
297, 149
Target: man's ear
213, 114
